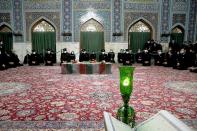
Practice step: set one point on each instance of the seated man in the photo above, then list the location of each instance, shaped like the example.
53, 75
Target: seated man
34, 58
72, 56
132, 56
65, 56
146, 58
54, 56
182, 60
138, 56
191, 55
49, 57
93, 56
127, 58
120, 56
111, 56
167, 58
13, 60
154, 47
159, 58
3, 61
102, 56
83, 56
147, 45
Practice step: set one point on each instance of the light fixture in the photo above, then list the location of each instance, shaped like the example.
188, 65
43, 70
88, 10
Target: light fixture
117, 34
17, 33
126, 113
66, 33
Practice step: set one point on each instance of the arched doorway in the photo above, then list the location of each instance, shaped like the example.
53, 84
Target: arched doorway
6, 38
177, 34
139, 33
92, 36
43, 37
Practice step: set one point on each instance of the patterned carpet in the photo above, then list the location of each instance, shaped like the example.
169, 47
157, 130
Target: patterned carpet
42, 98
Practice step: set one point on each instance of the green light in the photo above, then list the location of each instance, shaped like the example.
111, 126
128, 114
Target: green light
126, 81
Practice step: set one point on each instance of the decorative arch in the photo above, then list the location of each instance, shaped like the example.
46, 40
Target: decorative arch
179, 26
177, 33
92, 25
146, 22
141, 29
39, 20
6, 25
92, 36
6, 36
43, 40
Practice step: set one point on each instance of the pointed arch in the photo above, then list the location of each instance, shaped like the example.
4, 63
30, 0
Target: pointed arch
41, 41
147, 23
92, 25
180, 26
33, 24
177, 33
137, 39
6, 36
4, 24
92, 36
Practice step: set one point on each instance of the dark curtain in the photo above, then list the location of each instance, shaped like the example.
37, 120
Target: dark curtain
92, 41
7, 39
138, 39
41, 41
177, 37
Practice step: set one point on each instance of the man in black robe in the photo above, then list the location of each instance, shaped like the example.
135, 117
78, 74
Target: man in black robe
146, 58
2, 48
72, 56
167, 58
93, 56
84, 56
3, 61
34, 58
120, 56
158, 58
13, 60
132, 56
111, 56
174, 46
127, 58
138, 56
191, 55
49, 57
65, 56
102, 56
182, 60
147, 45
54, 56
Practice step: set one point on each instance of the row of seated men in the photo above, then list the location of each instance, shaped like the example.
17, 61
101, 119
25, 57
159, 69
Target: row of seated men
181, 59
36, 59
85, 56
8, 60
152, 46
103, 56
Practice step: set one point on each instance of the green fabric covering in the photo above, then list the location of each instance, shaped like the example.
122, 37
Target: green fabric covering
177, 37
138, 39
7, 39
41, 41
92, 41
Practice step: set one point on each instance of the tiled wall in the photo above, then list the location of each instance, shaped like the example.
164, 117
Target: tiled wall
116, 16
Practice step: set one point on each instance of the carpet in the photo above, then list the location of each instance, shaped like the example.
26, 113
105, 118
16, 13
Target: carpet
41, 97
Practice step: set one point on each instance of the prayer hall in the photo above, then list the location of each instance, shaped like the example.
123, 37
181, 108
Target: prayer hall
98, 65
